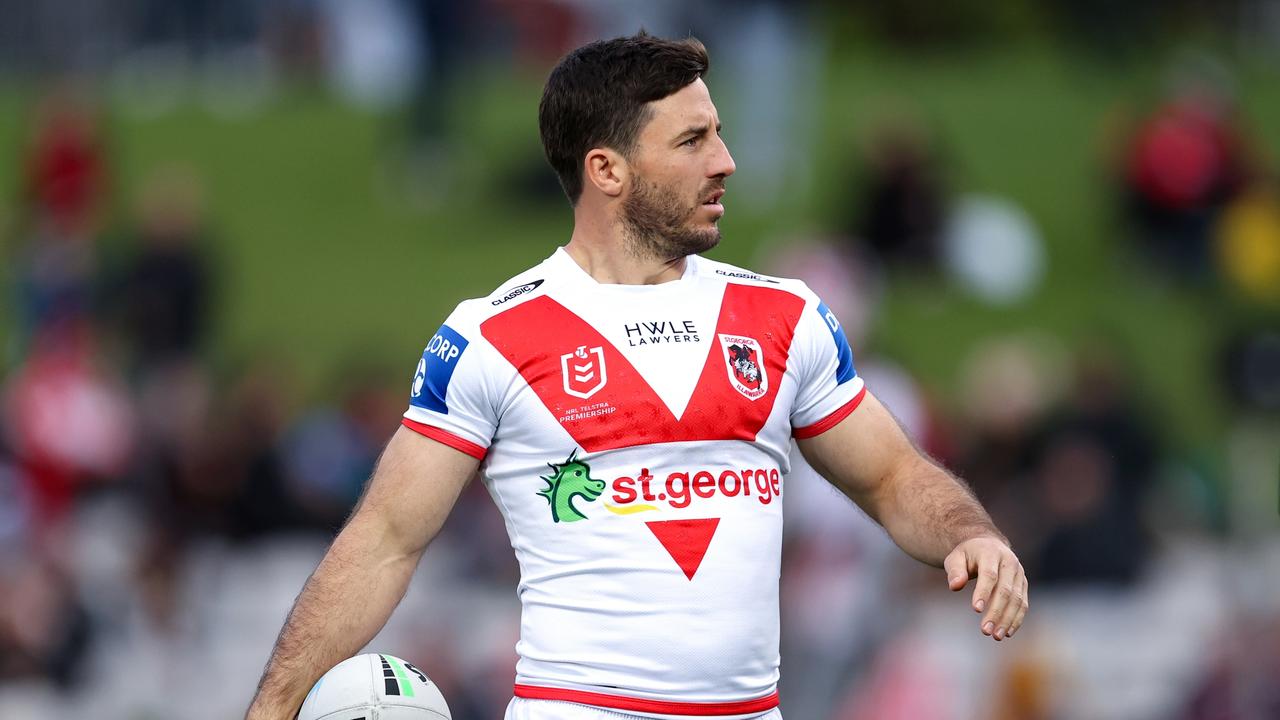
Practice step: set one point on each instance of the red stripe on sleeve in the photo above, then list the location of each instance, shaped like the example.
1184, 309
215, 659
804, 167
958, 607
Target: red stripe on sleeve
666, 707
446, 437
831, 420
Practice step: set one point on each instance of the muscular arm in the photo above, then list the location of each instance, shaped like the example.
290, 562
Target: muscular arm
928, 512
366, 571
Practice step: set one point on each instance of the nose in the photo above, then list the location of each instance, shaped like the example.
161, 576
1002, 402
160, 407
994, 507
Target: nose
722, 164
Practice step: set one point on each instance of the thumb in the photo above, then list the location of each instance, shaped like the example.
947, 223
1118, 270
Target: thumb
957, 567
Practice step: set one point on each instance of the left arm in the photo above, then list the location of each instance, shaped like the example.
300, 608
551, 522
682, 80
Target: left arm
929, 513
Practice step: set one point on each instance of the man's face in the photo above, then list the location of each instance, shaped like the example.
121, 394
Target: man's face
678, 169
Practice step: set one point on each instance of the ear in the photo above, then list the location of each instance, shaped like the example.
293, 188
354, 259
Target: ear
606, 170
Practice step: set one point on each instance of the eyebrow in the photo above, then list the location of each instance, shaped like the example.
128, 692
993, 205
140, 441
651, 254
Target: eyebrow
696, 130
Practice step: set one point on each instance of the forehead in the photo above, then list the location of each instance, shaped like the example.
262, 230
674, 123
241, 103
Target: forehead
687, 107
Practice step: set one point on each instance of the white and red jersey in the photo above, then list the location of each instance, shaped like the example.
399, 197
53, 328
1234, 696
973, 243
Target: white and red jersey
635, 438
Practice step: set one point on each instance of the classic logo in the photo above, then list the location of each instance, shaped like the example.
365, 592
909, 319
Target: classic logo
746, 276
584, 372
569, 479
744, 362
517, 292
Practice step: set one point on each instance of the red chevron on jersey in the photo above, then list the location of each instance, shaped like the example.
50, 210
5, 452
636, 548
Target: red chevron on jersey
686, 540
636, 439
542, 339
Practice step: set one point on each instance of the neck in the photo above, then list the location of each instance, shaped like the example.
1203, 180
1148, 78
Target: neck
601, 251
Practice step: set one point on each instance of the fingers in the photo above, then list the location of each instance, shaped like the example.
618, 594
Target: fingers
1000, 592
1016, 604
1000, 598
988, 573
1026, 604
956, 566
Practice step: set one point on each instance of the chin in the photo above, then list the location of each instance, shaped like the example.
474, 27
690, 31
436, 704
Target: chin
709, 239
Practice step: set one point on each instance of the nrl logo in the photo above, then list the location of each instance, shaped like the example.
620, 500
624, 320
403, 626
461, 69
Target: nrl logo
584, 373
744, 361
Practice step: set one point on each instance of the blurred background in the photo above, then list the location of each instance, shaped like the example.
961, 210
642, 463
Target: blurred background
1052, 231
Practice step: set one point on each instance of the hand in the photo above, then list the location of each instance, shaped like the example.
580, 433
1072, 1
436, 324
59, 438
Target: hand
1001, 590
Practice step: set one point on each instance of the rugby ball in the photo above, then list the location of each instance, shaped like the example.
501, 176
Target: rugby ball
374, 687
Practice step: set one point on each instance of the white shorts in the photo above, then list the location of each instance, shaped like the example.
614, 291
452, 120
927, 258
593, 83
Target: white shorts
525, 709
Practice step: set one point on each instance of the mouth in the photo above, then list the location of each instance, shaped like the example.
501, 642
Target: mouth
712, 201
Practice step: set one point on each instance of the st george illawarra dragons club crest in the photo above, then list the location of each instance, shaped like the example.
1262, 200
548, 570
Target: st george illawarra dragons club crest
744, 361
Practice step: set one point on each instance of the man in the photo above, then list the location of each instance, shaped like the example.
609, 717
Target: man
631, 406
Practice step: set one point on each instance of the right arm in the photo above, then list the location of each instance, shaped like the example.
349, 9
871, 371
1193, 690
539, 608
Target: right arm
367, 569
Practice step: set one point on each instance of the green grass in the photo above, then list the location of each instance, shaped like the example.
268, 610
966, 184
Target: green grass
1029, 126
329, 249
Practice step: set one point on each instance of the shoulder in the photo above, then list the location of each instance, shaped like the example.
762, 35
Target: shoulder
516, 289
473, 312
733, 275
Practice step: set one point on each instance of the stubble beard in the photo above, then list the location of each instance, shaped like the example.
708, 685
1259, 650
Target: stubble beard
658, 225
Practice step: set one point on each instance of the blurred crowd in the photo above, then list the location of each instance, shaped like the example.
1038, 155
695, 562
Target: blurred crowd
1057, 440
110, 405
161, 506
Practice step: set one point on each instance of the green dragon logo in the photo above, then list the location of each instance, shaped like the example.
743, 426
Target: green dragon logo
569, 479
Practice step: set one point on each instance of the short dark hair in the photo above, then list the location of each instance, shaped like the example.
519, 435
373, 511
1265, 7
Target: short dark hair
597, 96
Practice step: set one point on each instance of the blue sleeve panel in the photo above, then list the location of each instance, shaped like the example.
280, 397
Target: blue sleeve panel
844, 370
435, 369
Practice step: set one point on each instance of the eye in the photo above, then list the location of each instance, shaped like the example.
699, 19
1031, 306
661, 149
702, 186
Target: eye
691, 142
577, 473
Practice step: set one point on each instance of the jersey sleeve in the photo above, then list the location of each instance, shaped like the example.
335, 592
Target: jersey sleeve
830, 388
450, 400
